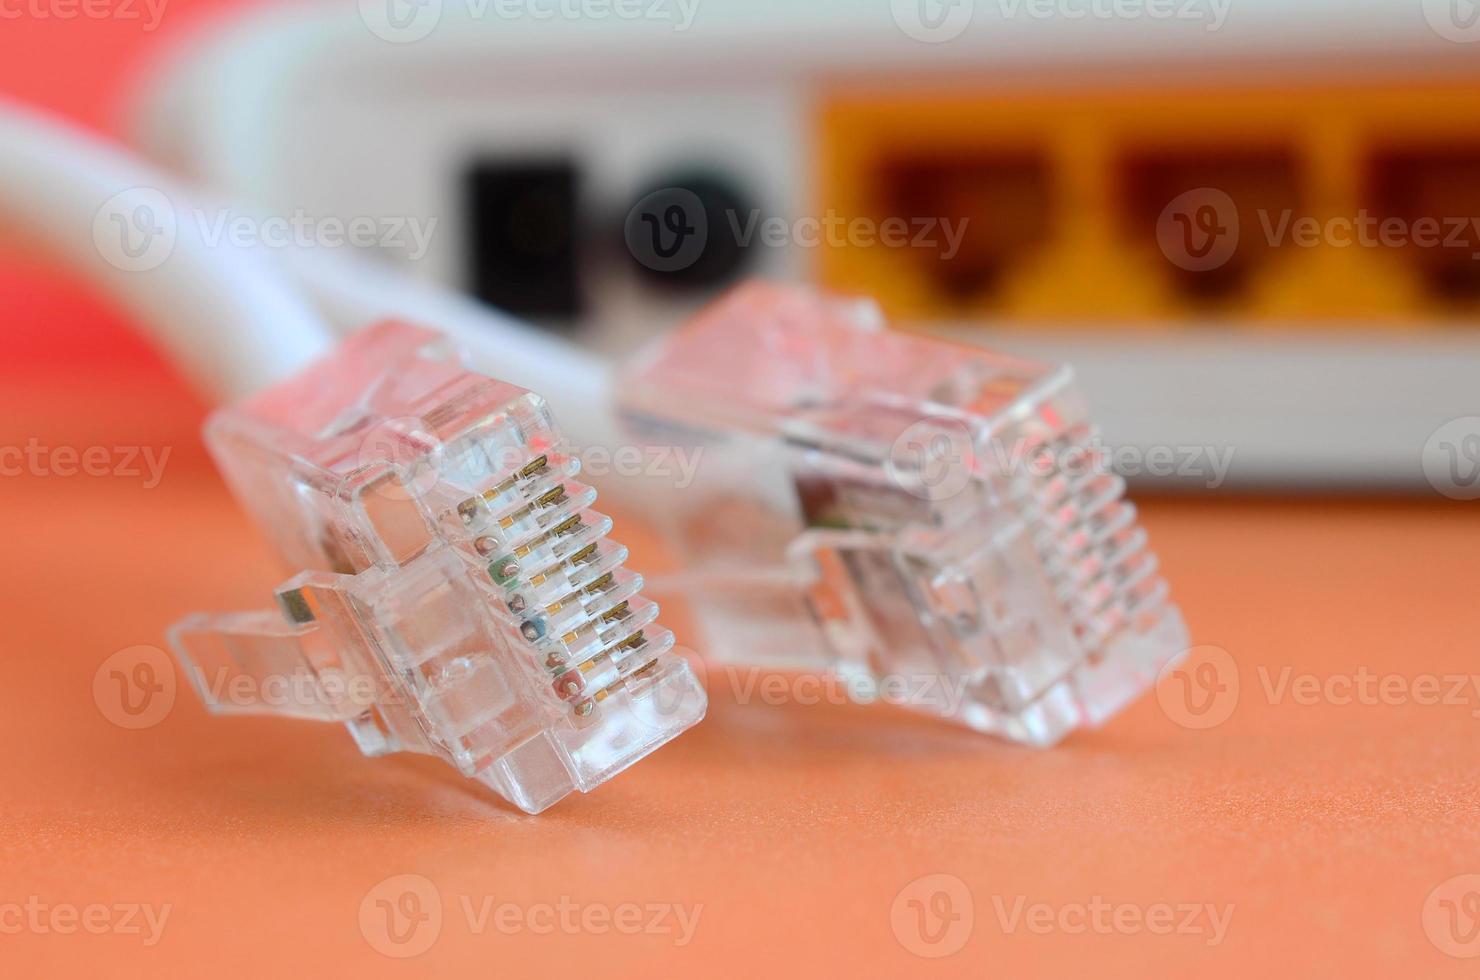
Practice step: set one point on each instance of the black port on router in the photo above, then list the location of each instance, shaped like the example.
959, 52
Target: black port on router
1430, 196
999, 200
1205, 210
523, 239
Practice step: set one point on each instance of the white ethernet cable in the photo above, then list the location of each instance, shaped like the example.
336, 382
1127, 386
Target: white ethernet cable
922, 518
458, 595
925, 520
222, 313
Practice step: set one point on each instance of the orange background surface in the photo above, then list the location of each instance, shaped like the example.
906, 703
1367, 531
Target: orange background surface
799, 830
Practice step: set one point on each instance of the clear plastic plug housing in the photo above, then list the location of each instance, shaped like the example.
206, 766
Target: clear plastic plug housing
459, 597
929, 520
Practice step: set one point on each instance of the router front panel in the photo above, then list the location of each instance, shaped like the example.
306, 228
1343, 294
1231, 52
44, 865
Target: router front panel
1171, 220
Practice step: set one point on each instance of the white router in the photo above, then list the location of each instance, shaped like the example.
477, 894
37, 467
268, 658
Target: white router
536, 133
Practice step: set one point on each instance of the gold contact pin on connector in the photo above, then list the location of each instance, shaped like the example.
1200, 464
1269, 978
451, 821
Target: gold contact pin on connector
601, 584
587, 706
529, 470
469, 507
584, 555
549, 498
567, 526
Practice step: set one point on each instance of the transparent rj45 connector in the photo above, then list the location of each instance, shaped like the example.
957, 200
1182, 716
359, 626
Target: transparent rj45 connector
923, 518
458, 597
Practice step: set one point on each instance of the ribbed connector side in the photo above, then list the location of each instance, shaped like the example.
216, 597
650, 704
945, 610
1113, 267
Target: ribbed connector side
580, 613
1090, 543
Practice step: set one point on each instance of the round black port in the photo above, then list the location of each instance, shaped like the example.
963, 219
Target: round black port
687, 232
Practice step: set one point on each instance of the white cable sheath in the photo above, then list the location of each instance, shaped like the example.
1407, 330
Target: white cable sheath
353, 293
232, 314
222, 311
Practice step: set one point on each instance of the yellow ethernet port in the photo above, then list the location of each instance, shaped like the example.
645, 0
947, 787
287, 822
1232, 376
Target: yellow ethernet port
1155, 207
1427, 200
1255, 181
999, 201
